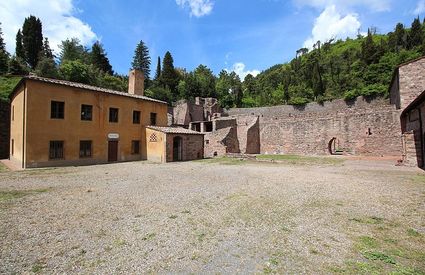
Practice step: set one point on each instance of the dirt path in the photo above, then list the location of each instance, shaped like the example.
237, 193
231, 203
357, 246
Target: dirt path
203, 217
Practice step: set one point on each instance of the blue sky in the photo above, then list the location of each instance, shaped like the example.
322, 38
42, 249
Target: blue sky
240, 35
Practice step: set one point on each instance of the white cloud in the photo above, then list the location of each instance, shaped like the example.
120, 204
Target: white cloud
331, 24
374, 5
420, 7
239, 69
57, 16
198, 8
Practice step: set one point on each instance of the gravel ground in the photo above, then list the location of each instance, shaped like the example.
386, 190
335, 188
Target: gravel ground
212, 217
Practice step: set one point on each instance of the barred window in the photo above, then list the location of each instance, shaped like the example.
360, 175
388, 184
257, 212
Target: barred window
56, 149
153, 138
85, 149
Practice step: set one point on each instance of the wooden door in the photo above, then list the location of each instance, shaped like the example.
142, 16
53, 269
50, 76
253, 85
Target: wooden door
112, 150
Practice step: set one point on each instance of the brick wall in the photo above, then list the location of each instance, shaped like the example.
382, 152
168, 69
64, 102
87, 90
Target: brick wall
193, 146
361, 127
4, 129
221, 142
411, 81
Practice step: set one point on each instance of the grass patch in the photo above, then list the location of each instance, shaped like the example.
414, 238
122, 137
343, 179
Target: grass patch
149, 236
368, 220
224, 161
413, 233
301, 160
16, 194
418, 178
378, 256
3, 168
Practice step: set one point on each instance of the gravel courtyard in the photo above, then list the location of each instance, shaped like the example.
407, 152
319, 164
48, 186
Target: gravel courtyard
214, 216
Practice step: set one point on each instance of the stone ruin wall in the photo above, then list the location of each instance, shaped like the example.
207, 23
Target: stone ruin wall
361, 127
4, 129
411, 81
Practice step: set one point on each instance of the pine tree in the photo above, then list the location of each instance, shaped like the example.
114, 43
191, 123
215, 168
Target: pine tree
47, 51
158, 70
99, 59
415, 35
168, 75
4, 56
141, 59
368, 49
19, 50
72, 50
32, 40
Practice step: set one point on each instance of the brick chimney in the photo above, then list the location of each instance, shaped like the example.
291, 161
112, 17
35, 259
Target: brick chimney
136, 82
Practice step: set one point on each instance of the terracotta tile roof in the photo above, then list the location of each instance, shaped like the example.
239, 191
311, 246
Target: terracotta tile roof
87, 87
174, 130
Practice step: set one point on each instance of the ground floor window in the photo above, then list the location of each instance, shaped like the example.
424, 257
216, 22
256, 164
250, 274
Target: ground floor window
56, 149
13, 147
135, 147
85, 148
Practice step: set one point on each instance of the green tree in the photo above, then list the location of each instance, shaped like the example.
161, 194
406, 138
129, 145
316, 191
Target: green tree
32, 40
99, 59
78, 71
141, 59
46, 67
17, 66
369, 49
205, 82
72, 50
415, 34
158, 70
47, 51
4, 55
19, 49
169, 75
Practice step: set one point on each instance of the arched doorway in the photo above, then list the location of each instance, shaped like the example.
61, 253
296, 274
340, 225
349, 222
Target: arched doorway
334, 147
177, 149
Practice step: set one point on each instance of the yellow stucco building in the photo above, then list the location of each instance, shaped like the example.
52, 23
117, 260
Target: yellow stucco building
56, 122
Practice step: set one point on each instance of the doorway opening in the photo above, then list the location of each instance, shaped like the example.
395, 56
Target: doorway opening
112, 150
177, 149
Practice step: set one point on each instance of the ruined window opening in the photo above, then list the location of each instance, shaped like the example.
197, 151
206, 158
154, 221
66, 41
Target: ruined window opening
215, 154
207, 141
208, 127
369, 132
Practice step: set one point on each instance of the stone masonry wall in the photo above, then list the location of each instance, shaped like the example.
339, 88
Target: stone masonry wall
361, 127
4, 129
411, 81
221, 142
193, 147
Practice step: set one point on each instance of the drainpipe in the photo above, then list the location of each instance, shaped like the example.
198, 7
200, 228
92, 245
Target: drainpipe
23, 126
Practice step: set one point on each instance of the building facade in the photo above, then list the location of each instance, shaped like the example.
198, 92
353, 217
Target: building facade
55, 122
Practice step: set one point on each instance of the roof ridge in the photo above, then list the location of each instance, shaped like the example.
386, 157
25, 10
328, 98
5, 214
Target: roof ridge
89, 87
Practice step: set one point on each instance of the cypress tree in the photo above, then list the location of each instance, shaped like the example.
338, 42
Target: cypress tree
168, 75
141, 59
368, 49
19, 50
99, 59
72, 50
415, 35
4, 56
158, 70
32, 40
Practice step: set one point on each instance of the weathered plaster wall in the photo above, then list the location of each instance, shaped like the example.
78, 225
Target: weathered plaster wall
4, 129
361, 127
155, 145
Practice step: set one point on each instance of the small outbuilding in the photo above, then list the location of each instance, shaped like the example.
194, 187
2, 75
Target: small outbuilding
167, 144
